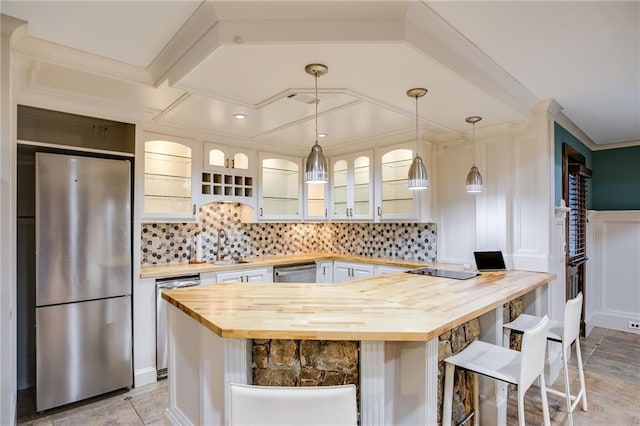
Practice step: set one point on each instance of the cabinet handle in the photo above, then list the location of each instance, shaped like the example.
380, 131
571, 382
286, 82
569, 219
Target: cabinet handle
379, 211
324, 270
233, 163
194, 209
346, 212
226, 163
351, 212
261, 212
325, 212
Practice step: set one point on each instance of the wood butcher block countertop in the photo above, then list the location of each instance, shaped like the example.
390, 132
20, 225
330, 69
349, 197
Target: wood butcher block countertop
393, 307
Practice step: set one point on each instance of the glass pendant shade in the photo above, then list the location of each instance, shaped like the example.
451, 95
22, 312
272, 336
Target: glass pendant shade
418, 177
474, 181
316, 170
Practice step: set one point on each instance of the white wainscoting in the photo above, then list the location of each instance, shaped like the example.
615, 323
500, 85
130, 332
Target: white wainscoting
613, 272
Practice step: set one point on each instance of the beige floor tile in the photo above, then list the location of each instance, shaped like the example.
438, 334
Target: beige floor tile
110, 412
150, 406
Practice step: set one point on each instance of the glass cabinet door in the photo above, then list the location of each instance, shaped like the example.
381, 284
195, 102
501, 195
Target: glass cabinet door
316, 203
362, 188
280, 198
396, 199
167, 179
340, 189
352, 187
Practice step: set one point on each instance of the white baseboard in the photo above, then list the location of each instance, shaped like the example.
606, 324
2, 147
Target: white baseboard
144, 376
613, 321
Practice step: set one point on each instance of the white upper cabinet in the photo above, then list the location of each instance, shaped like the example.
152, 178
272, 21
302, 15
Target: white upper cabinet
228, 174
315, 201
225, 158
168, 178
280, 187
394, 200
352, 184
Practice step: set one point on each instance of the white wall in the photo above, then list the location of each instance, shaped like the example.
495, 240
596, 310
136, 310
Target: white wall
613, 271
456, 217
7, 226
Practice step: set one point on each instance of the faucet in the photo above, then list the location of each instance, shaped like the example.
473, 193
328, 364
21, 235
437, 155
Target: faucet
221, 234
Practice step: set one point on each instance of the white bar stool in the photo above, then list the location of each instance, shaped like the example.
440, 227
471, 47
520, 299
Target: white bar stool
500, 363
565, 332
285, 405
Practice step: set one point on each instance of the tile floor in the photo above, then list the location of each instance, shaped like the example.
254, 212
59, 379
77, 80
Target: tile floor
612, 373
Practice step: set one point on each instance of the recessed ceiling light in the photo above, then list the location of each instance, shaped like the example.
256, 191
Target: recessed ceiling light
239, 116
322, 135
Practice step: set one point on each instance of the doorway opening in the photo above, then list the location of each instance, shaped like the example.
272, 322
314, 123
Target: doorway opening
574, 192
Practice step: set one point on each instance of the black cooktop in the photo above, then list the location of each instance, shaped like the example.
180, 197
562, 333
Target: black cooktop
443, 273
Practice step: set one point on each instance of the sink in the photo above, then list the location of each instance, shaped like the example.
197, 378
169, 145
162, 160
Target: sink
228, 262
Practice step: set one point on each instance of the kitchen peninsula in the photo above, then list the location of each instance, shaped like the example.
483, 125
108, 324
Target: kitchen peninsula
396, 317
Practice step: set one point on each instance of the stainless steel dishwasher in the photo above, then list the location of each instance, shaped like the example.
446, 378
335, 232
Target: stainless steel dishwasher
299, 273
162, 343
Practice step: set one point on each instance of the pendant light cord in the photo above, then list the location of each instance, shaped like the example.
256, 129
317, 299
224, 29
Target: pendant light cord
473, 135
417, 142
317, 102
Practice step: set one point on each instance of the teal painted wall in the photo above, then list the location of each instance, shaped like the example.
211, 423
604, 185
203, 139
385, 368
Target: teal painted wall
562, 136
616, 179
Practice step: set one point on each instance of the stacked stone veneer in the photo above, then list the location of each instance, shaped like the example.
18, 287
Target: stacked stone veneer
172, 242
305, 362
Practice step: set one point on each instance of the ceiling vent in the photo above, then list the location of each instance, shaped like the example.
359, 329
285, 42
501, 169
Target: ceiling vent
309, 98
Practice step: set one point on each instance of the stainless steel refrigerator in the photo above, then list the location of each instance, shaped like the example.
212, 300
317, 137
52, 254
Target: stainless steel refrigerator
83, 278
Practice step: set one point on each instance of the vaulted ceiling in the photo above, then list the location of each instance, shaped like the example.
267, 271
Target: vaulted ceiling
192, 65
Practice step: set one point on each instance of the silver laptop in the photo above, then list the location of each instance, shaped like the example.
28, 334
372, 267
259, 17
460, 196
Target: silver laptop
487, 261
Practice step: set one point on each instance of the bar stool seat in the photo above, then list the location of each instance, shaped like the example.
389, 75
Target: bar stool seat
300, 406
565, 332
507, 365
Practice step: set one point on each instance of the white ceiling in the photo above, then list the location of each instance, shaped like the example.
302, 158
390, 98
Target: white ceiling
192, 65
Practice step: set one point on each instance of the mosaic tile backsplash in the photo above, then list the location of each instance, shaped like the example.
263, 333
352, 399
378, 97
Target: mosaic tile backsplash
174, 242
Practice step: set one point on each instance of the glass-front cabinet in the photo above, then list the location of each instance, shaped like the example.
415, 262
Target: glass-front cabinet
393, 199
280, 187
352, 187
316, 201
168, 179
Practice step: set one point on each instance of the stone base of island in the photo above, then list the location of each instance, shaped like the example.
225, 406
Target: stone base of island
404, 325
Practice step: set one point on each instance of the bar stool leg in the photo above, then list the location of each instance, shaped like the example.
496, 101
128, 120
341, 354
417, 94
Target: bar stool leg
583, 388
521, 392
545, 401
476, 399
447, 399
567, 389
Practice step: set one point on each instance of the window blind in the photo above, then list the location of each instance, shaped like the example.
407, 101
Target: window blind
578, 175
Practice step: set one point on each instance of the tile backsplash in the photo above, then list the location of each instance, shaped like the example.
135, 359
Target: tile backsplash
172, 242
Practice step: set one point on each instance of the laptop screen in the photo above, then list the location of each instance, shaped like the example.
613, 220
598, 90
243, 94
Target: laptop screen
489, 260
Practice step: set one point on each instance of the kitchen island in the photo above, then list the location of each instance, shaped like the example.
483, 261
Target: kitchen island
396, 317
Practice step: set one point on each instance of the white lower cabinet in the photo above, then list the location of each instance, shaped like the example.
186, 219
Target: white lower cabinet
324, 272
254, 275
346, 271
208, 278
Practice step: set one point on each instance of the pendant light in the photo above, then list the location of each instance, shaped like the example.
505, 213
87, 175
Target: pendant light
474, 182
418, 177
316, 168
